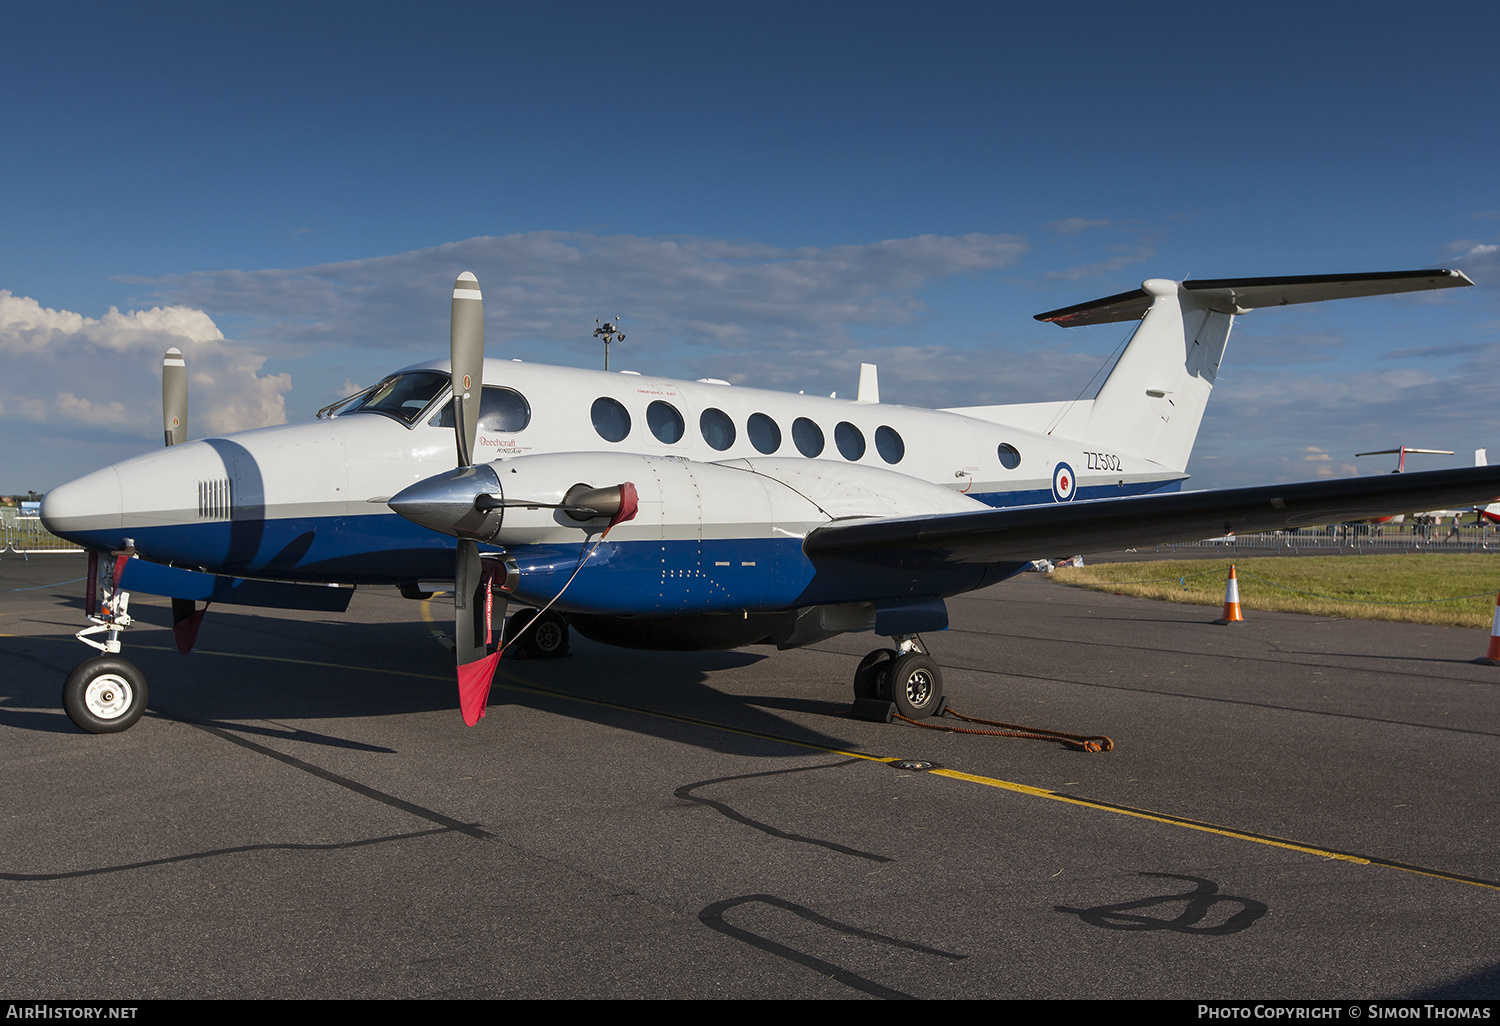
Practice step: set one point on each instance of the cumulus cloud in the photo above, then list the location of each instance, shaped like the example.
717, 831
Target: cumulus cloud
715, 293
1290, 425
72, 371
1285, 348
1479, 260
1118, 262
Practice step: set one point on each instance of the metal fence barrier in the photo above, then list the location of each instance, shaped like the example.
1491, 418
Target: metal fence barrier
1355, 539
25, 535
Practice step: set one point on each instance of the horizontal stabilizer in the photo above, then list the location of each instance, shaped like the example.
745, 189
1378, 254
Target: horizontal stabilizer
1019, 534
177, 583
1237, 295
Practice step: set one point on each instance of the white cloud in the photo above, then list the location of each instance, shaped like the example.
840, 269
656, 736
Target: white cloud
66, 369
550, 286
1098, 267
1074, 225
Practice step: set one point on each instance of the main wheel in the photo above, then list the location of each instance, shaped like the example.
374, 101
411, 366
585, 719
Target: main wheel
866, 678
537, 637
549, 635
105, 695
914, 683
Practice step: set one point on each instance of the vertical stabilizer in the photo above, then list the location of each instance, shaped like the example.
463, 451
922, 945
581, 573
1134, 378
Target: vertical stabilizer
1152, 402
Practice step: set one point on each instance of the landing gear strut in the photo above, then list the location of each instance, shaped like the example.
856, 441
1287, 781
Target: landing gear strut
906, 678
105, 694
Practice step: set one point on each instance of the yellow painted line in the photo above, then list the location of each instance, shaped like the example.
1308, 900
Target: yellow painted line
513, 683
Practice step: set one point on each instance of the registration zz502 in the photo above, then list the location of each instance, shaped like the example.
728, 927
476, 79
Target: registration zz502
1102, 461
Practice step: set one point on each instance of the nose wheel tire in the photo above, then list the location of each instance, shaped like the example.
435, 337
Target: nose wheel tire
914, 683
105, 695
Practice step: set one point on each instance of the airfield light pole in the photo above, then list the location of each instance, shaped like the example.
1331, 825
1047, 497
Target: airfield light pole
609, 333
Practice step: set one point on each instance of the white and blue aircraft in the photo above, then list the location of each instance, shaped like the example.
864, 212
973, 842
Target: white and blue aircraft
653, 513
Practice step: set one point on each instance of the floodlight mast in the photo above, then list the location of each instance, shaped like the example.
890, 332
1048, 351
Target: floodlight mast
609, 332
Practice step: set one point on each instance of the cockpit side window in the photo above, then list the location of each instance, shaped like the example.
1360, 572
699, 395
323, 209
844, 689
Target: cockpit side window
501, 410
403, 397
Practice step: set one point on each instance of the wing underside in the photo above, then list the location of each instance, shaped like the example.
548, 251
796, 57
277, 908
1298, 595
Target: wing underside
1029, 532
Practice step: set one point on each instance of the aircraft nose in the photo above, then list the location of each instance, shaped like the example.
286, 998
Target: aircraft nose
91, 503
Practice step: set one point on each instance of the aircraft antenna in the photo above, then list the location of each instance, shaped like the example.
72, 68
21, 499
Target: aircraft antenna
609, 332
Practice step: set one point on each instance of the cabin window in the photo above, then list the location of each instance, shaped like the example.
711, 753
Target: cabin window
501, 410
611, 420
889, 444
717, 428
808, 437
1010, 456
764, 433
850, 440
664, 421
403, 396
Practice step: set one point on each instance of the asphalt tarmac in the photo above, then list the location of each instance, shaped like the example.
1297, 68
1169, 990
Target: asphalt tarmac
1294, 808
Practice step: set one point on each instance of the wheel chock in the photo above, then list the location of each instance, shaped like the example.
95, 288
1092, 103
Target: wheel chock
873, 709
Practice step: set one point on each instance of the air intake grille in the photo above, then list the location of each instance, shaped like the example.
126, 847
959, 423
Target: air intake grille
215, 500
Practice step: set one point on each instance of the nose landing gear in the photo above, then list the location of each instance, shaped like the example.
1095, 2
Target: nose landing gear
105, 694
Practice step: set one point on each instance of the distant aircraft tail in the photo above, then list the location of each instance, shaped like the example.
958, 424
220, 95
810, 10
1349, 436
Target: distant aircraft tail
1492, 511
1152, 403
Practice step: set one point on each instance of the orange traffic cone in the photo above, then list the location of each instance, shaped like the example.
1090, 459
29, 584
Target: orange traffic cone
1232, 601
1492, 657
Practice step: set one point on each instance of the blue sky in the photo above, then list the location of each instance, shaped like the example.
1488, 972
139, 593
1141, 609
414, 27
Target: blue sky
766, 193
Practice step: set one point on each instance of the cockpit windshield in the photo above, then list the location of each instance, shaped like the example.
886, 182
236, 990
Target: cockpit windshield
402, 396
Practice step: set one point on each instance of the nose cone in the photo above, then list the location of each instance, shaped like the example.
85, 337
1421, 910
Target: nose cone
91, 503
445, 503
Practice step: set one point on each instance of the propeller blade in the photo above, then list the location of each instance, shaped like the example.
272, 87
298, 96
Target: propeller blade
472, 628
467, 363
174, 399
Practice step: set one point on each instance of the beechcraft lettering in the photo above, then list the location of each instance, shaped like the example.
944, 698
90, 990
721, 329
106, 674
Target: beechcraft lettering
686, 515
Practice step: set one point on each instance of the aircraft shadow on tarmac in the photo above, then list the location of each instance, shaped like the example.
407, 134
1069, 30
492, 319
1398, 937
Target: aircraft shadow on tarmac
1484, 984
386, 669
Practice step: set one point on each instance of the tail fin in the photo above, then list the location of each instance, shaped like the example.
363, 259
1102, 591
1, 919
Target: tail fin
1152, 403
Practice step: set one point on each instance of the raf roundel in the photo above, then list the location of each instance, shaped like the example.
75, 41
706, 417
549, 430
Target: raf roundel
1064, 483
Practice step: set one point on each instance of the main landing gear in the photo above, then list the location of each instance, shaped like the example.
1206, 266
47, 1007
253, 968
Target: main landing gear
530, 635
105, 694
905, 677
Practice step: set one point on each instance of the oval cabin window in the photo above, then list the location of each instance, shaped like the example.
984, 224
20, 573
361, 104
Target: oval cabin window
850, 440
611, 420
664, 421
808, 437
764, 433
717, 428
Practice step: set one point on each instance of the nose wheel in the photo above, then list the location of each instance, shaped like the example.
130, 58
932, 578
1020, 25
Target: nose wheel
105, 695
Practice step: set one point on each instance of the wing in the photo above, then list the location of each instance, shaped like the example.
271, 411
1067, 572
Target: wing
1027, 532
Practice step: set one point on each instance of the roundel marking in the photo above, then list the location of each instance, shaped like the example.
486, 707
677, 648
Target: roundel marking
1064, 483
466, 383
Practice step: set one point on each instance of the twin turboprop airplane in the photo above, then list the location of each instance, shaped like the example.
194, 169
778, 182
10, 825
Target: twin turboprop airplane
650, 513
